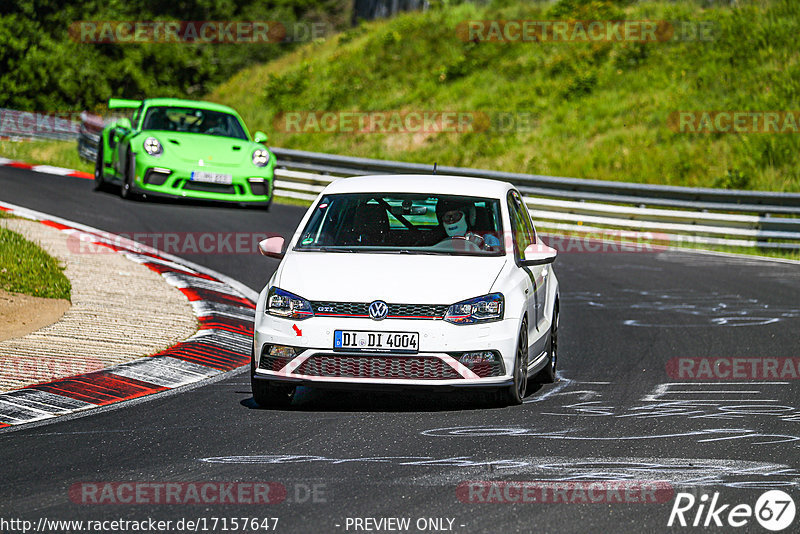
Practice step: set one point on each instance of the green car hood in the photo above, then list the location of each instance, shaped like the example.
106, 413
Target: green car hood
212, 149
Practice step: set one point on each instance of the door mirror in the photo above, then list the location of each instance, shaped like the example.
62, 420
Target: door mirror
272, 247
539, 254
124, 124
260, 137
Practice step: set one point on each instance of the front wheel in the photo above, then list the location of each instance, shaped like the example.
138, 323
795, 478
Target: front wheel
126, 189
548, 374
269, 395
513, 394
266, 394
99, 181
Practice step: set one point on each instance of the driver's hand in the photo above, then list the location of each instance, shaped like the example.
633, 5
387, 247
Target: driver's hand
476, 239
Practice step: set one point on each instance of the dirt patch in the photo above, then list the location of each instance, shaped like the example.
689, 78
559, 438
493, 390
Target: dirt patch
21, 314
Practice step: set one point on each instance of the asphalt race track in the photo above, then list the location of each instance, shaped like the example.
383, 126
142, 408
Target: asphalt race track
617, 413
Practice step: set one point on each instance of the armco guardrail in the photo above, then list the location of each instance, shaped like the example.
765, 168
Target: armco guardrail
677, 215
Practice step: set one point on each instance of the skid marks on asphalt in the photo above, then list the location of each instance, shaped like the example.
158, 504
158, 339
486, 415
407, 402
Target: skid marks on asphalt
431, 470
742, 401
651, 308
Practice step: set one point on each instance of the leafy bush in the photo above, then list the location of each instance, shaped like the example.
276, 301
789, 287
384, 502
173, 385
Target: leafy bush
44, 69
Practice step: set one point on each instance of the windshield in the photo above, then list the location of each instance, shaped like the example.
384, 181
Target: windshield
404, 223
193, 120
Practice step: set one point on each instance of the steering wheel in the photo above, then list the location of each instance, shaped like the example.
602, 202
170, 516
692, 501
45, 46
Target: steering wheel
458, 242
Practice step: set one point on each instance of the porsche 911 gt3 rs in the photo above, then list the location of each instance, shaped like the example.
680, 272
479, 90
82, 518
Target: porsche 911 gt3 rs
184, 148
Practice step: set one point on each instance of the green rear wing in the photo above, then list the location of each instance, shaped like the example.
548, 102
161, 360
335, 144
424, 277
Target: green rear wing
120, 103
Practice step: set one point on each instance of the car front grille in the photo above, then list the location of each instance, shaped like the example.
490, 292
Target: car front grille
487, 369
378, 366
210, 187
273, 363
396, 311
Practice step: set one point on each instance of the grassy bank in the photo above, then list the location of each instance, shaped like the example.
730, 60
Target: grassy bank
26, 268
56, 153
600, 110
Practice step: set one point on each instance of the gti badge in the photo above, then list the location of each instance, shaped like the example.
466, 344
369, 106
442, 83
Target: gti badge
378, 310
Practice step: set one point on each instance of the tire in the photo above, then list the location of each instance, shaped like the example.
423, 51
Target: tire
268, 395
513, 394
99, 181
548, 374
126, 189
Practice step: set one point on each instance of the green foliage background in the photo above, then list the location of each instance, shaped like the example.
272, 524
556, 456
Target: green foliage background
601, 109
44, 70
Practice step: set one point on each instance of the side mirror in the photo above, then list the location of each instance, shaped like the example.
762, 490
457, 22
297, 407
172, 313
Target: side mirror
260, 137
271, 247
539, 254
124, 123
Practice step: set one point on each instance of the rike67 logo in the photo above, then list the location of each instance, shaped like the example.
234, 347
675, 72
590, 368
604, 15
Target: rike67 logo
774, 510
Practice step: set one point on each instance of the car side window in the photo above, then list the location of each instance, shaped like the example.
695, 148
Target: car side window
520, 224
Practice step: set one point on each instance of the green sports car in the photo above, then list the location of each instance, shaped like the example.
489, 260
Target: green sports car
184, 148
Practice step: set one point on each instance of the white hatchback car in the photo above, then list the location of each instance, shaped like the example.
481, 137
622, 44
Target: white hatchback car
408, 281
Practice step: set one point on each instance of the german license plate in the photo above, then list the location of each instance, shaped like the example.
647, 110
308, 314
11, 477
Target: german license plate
376, 341
211, 177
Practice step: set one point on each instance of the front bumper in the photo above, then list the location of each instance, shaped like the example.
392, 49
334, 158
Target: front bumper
435, 365
249, 186
382, 385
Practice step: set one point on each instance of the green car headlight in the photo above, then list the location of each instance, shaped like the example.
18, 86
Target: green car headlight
260, 157
153, 147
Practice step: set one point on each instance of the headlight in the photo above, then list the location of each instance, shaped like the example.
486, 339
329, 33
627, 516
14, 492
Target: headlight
260, 157
152, 146
281, 303
483, 309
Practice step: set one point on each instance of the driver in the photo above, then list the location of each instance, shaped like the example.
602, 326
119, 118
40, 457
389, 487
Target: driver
212, 125
457, 221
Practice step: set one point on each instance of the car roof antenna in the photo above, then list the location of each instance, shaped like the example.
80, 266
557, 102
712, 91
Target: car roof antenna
434, 167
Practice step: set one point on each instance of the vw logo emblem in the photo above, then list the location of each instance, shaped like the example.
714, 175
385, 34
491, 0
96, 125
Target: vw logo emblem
378, 310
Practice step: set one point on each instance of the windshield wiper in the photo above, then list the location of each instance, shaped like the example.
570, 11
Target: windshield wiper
325, 249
